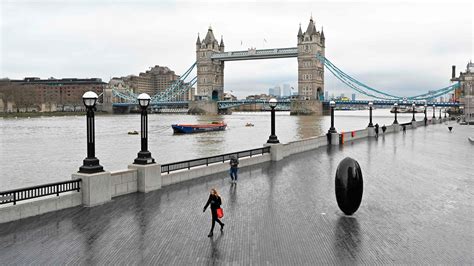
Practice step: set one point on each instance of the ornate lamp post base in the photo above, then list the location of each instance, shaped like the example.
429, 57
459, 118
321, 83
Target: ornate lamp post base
90, 166
273, 139
144, 157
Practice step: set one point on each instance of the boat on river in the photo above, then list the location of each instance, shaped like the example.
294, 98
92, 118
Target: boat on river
406, 109
198, 128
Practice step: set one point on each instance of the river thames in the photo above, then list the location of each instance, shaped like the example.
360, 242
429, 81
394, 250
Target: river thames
48, 149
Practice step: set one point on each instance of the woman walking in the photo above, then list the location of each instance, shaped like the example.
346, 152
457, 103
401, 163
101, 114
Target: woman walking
215, 201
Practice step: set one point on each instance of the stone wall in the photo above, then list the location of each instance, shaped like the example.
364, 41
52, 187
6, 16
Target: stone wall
123, 182
39, 206
200, 171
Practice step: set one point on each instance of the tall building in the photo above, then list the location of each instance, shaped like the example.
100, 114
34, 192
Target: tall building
155, 80
271, 91
277, 91
353, 96
286, 90
465, 93
326, 95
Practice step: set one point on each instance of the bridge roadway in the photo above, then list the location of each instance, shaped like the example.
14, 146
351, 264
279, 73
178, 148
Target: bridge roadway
416, 209
286, 102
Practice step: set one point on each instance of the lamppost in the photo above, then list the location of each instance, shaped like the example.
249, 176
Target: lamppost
395, 105
332, 129
440, 113
273, 138
434, 111
91, 163
370, 114
413, 110
426, 119
144, 156
445, 116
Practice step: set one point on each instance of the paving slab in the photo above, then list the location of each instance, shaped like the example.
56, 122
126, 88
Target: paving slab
416, 208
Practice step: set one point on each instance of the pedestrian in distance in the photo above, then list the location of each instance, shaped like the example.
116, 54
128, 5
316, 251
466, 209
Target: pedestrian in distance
215, 201
376, 130
404, 128
383, 129
234, 168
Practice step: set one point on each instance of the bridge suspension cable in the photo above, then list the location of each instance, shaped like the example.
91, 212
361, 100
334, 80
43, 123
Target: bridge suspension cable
176, 88
378, 94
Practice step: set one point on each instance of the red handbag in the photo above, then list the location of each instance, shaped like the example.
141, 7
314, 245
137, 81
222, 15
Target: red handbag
220, 213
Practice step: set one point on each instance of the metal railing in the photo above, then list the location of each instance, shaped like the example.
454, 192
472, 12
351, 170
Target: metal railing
167, 168
15, 195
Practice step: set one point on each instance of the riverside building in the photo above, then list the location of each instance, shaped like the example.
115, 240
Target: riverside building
46, 95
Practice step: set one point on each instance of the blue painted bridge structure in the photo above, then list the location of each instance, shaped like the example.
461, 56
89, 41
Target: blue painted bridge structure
284, 104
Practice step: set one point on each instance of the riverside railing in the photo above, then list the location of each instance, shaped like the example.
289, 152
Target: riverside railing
167, 168
15, 195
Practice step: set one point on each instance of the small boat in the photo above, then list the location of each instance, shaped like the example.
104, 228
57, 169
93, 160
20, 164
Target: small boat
190, 128
249, 125
406, 109
133, 132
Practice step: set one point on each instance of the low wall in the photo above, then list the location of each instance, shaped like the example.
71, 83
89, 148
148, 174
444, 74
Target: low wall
123, 182
39, 206
200, 171
354, 135
298, 146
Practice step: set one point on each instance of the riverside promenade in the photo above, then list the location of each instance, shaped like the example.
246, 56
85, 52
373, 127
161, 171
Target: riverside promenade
416, 208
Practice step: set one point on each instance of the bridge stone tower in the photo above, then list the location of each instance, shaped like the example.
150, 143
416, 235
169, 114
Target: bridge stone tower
310, 72
310, 69
210, 72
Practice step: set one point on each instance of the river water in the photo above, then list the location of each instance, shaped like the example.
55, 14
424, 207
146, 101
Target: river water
48, 149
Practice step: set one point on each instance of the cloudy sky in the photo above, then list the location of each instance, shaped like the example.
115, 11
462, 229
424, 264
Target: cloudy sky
401, 47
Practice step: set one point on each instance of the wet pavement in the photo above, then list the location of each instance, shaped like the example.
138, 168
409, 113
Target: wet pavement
417, 207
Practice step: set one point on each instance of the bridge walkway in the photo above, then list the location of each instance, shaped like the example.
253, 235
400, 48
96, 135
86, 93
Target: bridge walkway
417, 208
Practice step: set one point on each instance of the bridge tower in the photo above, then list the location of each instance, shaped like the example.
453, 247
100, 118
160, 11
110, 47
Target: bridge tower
210, 82
310, 71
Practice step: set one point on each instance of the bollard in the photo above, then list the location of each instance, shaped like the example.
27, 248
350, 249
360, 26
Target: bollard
349, 185
342, 137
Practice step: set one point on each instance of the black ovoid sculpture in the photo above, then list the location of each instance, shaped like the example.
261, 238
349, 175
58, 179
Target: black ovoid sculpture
450, 128
349, 185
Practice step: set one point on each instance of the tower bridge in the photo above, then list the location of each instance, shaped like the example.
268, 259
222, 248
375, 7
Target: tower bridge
310, 53
211, 55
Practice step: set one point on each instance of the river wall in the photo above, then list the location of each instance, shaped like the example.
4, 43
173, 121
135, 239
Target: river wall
100, 188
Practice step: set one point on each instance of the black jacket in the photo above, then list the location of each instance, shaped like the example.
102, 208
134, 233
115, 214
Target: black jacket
215, 202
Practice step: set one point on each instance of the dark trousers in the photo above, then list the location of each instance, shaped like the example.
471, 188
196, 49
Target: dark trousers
233, 173
215, 219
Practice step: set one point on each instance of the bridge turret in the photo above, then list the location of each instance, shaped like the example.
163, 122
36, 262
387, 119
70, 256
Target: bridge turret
198, 42
300, 35
221, 45
322, 37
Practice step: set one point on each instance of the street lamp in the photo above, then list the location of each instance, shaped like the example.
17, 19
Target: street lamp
332, 129
440, 113
395, 105
425, 111
144, 156
413, 105
370, 114
273, 138
434, 110
445, 116
90, 163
